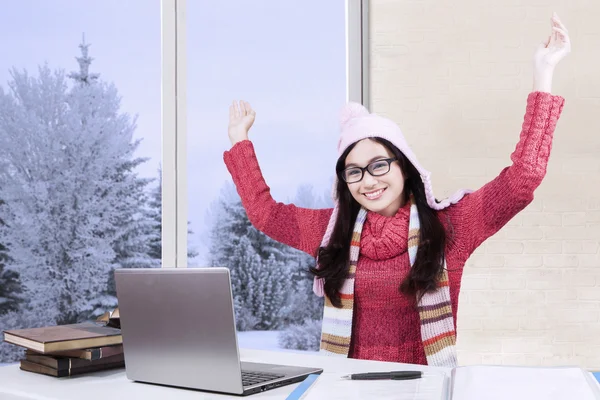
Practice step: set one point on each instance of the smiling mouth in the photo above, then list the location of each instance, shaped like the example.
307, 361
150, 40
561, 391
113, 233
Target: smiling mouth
374, 195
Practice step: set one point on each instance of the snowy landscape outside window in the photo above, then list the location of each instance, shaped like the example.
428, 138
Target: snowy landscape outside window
80, 156
81, 124
288, 59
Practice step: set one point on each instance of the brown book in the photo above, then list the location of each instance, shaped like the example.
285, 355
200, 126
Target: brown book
64, 337
43, 369
111, 318
61, 363
95, 353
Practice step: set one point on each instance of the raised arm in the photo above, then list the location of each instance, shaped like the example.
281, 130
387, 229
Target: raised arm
481, 214
300, 228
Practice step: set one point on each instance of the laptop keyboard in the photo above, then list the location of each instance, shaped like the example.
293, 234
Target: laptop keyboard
250, 378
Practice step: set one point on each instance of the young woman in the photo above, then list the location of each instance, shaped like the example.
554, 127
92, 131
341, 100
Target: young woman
389, 255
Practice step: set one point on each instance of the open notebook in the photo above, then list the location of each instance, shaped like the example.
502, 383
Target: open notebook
466, 383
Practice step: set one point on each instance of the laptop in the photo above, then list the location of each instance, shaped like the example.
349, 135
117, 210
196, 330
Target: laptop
178, 328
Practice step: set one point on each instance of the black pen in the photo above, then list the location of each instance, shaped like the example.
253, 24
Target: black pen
394, 375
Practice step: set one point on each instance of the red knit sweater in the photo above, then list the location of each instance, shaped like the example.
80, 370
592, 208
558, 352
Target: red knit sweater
386, 323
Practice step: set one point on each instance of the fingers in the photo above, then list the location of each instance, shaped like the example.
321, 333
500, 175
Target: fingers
248, 108
546, 42
562, 34
558, 23
553, 33
240, 109
559, 31
236, 109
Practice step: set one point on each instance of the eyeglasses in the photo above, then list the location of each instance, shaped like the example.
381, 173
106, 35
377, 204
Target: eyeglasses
376, 168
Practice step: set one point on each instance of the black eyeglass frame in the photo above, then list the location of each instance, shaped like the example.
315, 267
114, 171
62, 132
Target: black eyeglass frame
370, 165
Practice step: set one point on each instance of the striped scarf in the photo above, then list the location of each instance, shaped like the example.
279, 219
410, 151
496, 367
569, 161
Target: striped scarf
435, 309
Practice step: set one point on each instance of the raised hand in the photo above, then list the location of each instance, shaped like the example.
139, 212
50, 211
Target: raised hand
549, 53
241, 118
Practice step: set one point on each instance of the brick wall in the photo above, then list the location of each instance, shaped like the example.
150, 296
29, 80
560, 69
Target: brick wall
455, 76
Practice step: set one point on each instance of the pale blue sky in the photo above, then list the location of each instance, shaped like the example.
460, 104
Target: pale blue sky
286, 57
125, 44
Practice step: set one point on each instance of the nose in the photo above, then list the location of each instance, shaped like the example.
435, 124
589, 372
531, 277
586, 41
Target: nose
369, 180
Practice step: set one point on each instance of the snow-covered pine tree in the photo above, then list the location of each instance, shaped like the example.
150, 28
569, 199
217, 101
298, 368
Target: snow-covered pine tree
274, 283
10, 286
258, 265
133, 235
133, 231
245, 266
24, 316
304, 310
302, 304
67, 180
228, 223
155, 214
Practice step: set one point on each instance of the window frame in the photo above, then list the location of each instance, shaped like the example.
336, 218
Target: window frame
174, 112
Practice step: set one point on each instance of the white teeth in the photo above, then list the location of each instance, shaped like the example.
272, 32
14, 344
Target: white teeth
374, 194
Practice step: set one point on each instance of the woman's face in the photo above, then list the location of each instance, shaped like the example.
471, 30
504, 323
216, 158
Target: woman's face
384, 193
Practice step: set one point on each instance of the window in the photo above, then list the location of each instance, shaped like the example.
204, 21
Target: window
80, 152
112, 112
288, 59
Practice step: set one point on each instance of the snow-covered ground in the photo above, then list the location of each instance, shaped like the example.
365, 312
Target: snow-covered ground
262, 340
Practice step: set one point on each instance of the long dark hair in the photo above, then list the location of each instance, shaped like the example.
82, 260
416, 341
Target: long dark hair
334, 259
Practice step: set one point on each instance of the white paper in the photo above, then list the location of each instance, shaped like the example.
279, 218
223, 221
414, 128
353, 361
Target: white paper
331, 386
521, 383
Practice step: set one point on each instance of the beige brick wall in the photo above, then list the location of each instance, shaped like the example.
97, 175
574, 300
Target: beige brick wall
455, 76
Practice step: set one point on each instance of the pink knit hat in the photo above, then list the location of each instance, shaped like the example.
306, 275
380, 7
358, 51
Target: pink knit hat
358, 124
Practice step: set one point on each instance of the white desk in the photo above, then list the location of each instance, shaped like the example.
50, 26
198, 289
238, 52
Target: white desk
20, 385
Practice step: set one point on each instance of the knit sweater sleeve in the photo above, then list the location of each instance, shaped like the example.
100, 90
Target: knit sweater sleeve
301, 228
482, 213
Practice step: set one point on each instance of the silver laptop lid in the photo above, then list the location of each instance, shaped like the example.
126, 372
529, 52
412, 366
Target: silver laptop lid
178, 327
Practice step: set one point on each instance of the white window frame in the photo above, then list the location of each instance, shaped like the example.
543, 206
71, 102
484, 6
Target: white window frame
173, 97
357, 51
174, 112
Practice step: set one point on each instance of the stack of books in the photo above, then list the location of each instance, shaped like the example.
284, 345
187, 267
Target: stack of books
66, 350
